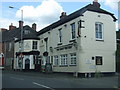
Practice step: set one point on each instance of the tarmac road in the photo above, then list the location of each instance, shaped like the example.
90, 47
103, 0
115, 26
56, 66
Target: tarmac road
13, 79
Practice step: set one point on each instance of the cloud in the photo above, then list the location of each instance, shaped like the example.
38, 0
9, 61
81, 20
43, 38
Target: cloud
44, 14
113, 4
4, 23
118, 26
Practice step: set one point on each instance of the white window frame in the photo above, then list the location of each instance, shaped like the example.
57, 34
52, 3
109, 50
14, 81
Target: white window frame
34, 47
60, 35
73, 59
10, 46
56, 60
99, 31
73, 31
63, 59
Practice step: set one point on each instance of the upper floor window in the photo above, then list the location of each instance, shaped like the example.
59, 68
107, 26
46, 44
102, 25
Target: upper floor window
34, 46
60, 35
73, 30
99, 30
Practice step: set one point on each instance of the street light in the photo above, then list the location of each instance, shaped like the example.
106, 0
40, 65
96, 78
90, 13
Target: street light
21, 31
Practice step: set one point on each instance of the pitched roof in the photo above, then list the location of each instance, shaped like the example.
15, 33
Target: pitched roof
10, 35
74, 15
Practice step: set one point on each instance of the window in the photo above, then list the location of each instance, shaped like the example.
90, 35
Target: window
73, 58
26, 31
34, 45
99, 30
99, 60
34, 59
10, 46
52, 60
56, 60
73, 30
63, 59
60, 35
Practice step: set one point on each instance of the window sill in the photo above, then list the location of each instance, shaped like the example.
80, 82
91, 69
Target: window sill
55, 66
59, 44
63, 65
73, 40
99, 40
72, 65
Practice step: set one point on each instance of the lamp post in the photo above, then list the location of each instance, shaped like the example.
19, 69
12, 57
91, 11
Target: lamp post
21, 33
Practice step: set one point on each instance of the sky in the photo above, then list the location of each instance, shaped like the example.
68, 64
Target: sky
46, 12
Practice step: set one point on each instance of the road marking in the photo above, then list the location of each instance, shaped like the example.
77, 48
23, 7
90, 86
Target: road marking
16, 78
43, 86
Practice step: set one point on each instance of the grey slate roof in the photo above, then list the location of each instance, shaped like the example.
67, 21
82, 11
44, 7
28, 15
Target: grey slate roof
10, 35
74, 15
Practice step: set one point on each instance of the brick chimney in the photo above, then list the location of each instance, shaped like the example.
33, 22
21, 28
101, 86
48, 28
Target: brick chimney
63, 15
3, 29
95, 3
20, 24
11, 27
34, 26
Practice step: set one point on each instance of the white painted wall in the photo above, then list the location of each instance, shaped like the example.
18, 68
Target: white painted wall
27, 46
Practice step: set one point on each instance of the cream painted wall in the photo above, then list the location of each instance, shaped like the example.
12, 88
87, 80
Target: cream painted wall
92, 48
88, 47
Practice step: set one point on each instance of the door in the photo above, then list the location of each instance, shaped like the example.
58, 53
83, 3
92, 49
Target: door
27, 64
38, 65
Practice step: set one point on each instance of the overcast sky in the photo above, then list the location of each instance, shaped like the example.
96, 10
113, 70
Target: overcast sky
45, 12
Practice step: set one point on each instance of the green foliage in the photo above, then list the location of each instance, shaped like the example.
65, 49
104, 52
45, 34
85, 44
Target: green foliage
98, 74
118, 53
118, 58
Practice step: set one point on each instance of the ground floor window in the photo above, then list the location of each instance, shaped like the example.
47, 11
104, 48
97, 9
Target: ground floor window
99, 60
63, 59
73, 58
56, 60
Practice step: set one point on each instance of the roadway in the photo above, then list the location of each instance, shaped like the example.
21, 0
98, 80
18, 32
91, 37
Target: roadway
13, 79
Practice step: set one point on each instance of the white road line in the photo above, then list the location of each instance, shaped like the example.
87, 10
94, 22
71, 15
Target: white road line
43, 86
16, 78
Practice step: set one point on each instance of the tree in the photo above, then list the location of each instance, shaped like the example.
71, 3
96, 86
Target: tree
118, 51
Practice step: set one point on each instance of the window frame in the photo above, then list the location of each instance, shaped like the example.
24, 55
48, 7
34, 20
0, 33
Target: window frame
63, 60
73, 59
35, 46
60, 35
73, 30
56, 60
99, 31
96, 60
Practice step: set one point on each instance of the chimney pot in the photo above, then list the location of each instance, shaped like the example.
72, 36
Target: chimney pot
95, 3
20, 24
63, 15
11, 27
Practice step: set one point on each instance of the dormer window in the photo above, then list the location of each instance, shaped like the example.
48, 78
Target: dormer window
26, 31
